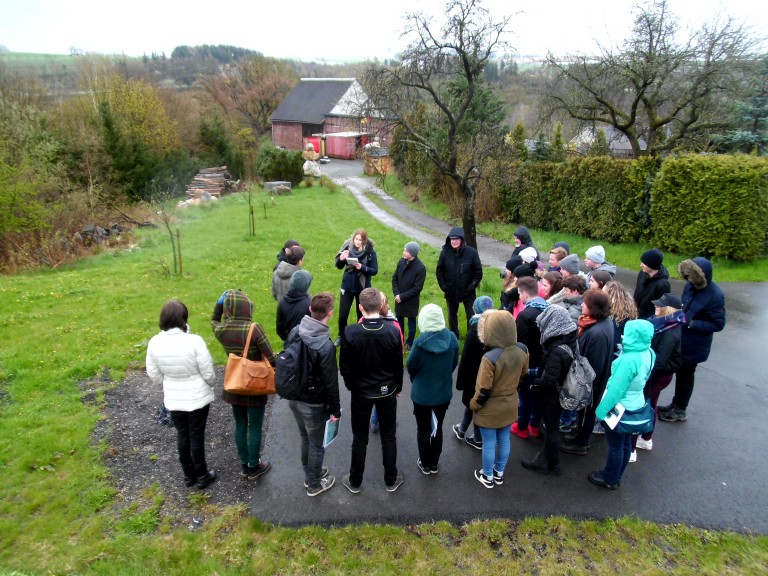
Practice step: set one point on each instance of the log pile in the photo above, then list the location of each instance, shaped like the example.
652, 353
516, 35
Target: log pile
215, 181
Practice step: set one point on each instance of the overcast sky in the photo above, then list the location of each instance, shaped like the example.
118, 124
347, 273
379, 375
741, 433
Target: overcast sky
333, 30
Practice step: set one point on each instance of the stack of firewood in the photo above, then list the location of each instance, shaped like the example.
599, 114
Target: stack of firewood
215, 181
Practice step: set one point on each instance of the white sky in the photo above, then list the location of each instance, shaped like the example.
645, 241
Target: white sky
333, 30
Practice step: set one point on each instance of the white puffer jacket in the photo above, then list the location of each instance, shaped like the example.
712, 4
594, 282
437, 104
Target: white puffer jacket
182, 363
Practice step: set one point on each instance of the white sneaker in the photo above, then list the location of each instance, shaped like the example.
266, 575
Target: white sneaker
633, 456
644, 444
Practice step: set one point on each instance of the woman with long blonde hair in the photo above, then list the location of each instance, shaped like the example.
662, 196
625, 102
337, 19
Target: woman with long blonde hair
623, 309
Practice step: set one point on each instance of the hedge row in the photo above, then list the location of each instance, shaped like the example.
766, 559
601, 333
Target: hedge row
715, 206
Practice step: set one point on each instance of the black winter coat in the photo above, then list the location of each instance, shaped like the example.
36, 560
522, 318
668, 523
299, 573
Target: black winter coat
408, 282
459, 272
529, 334
469, 365
322, 374
371, 358
650, 288
596, 345
290, 310
556, 363
668, 356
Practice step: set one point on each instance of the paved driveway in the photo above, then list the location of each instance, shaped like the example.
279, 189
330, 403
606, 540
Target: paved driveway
708, 472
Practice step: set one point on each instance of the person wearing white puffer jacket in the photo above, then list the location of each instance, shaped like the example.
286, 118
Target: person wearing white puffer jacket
181, 362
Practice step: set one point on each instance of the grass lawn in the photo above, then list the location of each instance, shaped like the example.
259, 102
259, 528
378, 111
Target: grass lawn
624, 255
57, 501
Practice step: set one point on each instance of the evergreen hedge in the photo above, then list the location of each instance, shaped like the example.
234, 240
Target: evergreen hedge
273, 164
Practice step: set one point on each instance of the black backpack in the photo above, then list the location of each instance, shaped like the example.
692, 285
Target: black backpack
290, 367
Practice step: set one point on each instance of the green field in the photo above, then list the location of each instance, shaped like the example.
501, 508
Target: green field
58, 501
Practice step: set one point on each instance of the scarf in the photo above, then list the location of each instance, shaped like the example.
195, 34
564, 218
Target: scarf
664, 323
585, 322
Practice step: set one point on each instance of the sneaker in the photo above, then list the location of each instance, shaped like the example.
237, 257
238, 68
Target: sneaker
517, 432
259, 471
323, 474
666, 408
470, 440
597, 479
534, 432
457, 430
498, 477
572, 448
375, 427
674, 415
486, 481
644, 444
434, 469
566, 428
348, 485
396, 484
325, 484
424, 469
207, 480
598, 428
633, 456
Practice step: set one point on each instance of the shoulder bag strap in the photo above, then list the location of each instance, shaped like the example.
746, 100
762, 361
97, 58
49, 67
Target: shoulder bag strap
248, 340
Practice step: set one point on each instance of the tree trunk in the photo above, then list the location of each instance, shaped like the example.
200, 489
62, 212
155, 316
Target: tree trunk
468, 219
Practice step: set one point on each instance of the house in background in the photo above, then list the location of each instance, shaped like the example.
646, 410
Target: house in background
617, 142
328, 113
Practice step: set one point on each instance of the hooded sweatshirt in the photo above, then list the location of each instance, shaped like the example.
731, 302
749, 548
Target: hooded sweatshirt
630, 371
525, 241
281, 278
295, 304
433, 358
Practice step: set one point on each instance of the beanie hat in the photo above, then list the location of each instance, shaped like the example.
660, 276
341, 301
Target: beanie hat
528, 254
481, 304
300, 281
524, 270
570, 263
564, 245
412, 248
596, 254
513, 263
652, 258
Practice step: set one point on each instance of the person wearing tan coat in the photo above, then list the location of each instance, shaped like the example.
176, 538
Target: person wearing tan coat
495, 399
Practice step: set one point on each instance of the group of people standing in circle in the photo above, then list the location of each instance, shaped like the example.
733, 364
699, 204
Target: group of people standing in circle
514, 361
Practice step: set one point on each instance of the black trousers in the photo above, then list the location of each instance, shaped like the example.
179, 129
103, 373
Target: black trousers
684, 378
453, 312
190, 440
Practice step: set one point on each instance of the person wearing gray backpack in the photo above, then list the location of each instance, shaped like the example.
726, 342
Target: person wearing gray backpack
558, 336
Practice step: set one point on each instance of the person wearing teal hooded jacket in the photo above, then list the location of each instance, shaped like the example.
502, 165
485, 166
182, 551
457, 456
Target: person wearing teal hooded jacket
629, 373
433, 358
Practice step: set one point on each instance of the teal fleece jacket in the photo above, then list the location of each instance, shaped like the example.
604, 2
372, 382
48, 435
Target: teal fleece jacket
630, 370
430, 364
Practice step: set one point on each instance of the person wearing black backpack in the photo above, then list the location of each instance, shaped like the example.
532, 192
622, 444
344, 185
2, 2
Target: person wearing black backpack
318, 395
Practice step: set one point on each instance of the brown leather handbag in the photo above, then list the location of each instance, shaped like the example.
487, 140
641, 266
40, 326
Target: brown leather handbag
249, 377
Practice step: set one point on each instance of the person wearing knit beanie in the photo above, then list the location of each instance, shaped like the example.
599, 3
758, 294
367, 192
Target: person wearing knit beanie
596, 254
524, 270
563, 245
652, 258
481, 304
413, 248
528, 255
569, 266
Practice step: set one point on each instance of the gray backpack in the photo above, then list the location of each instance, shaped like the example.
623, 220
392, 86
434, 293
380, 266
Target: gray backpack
576, 392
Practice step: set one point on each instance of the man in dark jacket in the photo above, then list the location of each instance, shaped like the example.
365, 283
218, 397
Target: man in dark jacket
407, 284
459, 273
295, 304
523, 240
704, 309
319, 396
652, 282
371, 362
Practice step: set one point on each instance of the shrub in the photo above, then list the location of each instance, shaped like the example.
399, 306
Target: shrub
278, 164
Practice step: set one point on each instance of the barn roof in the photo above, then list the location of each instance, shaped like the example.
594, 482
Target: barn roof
312, 99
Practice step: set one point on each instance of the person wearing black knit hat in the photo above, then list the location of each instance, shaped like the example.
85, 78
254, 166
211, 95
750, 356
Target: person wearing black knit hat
407, 284
652, 282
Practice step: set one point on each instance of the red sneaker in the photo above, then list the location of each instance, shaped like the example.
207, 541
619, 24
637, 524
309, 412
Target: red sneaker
517, 432
533, 431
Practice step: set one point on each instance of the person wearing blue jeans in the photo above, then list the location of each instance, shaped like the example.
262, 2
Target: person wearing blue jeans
495, 400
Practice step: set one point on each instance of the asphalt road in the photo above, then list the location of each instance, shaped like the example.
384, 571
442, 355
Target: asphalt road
708, 472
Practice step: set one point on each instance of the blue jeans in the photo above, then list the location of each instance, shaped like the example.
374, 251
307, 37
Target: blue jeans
248, 421
311, 419
569, 417
493, 458
619, 450
361, 416
528, 411
190, 440
411, 329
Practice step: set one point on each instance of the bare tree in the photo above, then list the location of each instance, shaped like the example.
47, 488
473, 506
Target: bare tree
442, 68
660, 92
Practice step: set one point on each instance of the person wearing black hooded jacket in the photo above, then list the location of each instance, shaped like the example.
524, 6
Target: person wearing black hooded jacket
459, 273
652, 282
523, 240
704, 309
295, 304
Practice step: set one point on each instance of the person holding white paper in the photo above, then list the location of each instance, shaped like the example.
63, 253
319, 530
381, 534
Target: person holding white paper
433, 358
629, 373
358, 260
